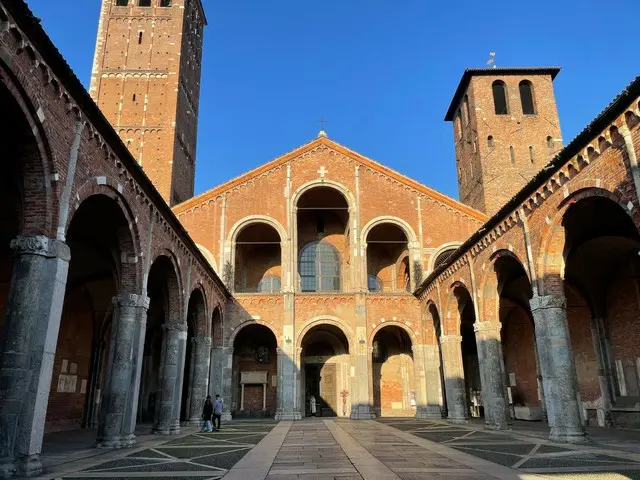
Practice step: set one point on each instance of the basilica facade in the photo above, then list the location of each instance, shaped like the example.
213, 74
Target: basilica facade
319, 283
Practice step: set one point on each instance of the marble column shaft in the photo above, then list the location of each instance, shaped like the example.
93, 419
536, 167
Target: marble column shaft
117, 420
361, 395
169, 392
200, 377
451, 345
557, 367
220, 384
496, 410
32, 321
432, 381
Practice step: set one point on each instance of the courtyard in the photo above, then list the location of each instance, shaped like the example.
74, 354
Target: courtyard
337, 448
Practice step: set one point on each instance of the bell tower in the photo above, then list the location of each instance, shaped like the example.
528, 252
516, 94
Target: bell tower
146, 80
506, 128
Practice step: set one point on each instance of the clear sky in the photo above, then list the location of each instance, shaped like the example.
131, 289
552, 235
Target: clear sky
381, 72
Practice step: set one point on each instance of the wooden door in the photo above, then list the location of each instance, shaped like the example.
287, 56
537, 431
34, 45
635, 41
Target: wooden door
328, 391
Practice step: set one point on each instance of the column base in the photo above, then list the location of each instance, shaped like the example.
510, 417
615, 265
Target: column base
288, 416
226, 417
432, 413
567, 435
175, 428
458, 420
194, 422
7, 468
118, 441
493, 426
28, 466
362, 415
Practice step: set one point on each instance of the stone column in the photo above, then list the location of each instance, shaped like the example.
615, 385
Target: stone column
200, 377
496, 410
117, 419
32, 321
288, 372
432, 382
557, 368
361, 399
454, 379
420, 380
169, 393
221, 365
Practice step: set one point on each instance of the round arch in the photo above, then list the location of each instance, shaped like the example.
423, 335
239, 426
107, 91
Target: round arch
397, 221
326, 320
392, 323
441, 249
176, 299
450, 323
209, 256
203, 326
346, 193
253, 219
236, 330
550, 260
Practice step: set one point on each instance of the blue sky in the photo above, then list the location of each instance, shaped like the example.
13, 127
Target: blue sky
381, 72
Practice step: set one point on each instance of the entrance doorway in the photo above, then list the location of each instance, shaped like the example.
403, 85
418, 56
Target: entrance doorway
320, 382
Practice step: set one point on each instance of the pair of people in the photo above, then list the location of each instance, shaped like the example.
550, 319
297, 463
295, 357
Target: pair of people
210, 410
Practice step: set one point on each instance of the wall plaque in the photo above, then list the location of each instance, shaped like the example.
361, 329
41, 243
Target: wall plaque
253, 377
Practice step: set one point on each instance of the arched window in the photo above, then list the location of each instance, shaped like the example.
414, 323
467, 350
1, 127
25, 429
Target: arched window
526, 97
144, 3
269, 284
320, 268
512, 154
490, 141
531, 155
500, 97
549, 142
374, 284
122, 3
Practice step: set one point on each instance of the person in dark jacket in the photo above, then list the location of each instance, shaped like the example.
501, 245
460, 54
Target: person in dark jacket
207, 413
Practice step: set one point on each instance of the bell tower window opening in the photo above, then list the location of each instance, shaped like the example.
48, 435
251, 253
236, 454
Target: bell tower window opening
490, 141
165, 3
122, 3
466, 110
531, 155
139, 38
512, 154
549, 142
526, 98
500, 98
144, 3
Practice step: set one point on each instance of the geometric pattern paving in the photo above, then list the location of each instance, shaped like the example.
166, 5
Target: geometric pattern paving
196, 456
526, 454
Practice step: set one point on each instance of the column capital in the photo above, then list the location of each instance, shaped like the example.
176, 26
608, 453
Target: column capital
131, 300
228, 350
540, 302
487, 326
41, 246
202, 339
451, 338
175, 327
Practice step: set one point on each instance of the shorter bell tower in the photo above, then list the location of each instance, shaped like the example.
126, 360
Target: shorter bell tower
506, 128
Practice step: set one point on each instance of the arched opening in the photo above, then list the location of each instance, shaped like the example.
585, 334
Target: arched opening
388, 267
518, 339
162, 288
258, 260
470, 363
323, 239
393, 373
325, 371
216, 328
437, 328
192, 385
254, 372
500, 103
94, 278
443, 256
526, 97
601, 272
490, 141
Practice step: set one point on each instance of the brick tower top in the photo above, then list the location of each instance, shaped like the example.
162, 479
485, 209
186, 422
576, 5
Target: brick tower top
146, 80
506, 128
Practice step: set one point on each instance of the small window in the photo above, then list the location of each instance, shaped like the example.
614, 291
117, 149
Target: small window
466, 109
374, 284
269, 284
549, 142
144, 3
512, 153
459, 122
139, 38
134, 97
531, 156
165, 3
526, 97
122, 3
500, 97
490, 141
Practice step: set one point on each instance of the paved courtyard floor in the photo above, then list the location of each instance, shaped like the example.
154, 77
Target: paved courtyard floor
323, 449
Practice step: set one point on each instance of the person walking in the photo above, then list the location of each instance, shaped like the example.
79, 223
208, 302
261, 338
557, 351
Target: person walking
217, 412
207, 412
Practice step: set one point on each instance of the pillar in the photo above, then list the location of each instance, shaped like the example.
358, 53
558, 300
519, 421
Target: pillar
200, 377
557, 368
431, 356
221, 365
32, 321
420, 380
168, 397
451, 345
496, 409
288, 366
361, 398
117, 419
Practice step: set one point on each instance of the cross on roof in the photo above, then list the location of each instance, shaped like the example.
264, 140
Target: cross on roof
322, 122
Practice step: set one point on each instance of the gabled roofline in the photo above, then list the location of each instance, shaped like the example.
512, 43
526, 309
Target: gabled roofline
192, 202
616, 108
478, 72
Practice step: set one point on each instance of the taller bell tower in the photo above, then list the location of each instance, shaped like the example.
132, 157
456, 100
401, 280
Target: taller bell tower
146, 80
506, 128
